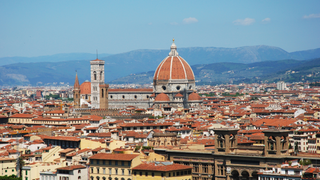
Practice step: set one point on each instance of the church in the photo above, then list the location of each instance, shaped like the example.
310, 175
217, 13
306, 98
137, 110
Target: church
173, 87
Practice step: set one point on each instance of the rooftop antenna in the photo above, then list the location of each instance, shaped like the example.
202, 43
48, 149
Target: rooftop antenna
97, 53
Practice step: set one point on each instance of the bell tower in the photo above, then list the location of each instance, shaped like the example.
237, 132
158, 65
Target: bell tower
225, 140
276, 142
97, 78
104, 96
76, 93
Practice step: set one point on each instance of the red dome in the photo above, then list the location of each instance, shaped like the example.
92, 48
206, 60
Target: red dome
178, 95
173, 67
162, 97
85, 88
194, 97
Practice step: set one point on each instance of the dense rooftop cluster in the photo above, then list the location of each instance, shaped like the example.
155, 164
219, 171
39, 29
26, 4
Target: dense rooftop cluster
248, 121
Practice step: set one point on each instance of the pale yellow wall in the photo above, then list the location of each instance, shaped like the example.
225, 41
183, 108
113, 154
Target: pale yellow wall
32, 138
85, 143
136, 161
37, 168
116, 144
155, 157
51, 155
9, 165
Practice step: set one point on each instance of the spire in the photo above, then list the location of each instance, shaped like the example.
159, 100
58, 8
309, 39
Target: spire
76, 82
173, 51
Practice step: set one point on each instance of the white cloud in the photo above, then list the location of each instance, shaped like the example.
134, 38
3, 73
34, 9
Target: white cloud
266, 20
311, 16
244, 22
189, 20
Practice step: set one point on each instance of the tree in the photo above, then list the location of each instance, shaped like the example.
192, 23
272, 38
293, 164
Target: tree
21, 164
296, 148
12, 177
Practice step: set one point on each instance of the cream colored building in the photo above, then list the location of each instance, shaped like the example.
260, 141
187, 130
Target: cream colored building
32, 171
105, 166
8, 166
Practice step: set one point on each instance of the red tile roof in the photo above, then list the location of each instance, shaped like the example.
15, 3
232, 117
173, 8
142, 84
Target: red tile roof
119, 157
162, 97
161, 167
69, 168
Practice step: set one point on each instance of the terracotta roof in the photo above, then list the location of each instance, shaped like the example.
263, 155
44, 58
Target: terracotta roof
69, 168
85, 88
55, 112
194, 97
173, 67
62, 138
178, 95
162, 97
161, 167
97, 60
22, 116
119, 157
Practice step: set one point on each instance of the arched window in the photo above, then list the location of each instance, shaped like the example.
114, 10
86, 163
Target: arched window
94, 75
100, 75
102, 93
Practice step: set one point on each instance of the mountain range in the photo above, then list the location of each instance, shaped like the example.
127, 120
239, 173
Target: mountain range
206, 63
228, 72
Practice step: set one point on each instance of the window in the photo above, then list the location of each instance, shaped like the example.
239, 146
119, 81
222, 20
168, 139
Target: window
97, 161
140, 173
110, 162
79, 177
129, 172
104, 170
205, 168
196, 167
129, 163
79, 171
110, 170
152, 174
91, 169
146, 173
104, 162
116, 163
97, 170
26, 172
122, 163
122, 171
94, 75
116, 171
162, 174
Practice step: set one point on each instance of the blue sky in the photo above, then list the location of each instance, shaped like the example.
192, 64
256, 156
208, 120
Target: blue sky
35, 28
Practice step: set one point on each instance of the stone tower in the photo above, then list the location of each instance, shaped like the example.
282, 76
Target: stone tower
276, 142
104, 96
76, 93
226, 140
97, 78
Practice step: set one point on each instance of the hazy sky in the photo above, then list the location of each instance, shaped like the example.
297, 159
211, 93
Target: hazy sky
35, 28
